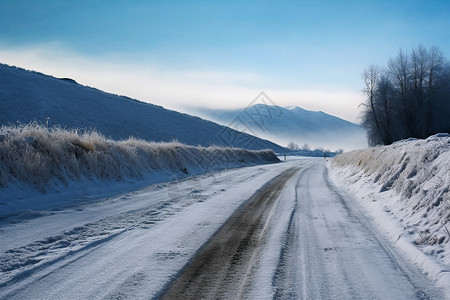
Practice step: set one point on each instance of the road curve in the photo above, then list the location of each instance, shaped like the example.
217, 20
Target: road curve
327, 249
297, 237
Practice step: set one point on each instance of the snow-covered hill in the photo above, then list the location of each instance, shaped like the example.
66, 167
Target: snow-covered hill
406, 188
295, 124
26, 96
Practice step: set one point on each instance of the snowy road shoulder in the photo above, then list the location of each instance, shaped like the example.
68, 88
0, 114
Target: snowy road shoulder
376, 208
404, 190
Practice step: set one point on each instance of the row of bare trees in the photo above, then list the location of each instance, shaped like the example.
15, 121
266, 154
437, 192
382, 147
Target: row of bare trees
409, 98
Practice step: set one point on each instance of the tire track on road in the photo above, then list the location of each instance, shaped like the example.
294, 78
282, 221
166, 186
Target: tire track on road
220, 268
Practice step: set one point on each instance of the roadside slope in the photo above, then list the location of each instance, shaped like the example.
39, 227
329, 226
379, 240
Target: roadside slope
405, 187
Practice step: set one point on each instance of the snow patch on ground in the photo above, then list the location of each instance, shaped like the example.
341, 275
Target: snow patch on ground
43, 168
405, 188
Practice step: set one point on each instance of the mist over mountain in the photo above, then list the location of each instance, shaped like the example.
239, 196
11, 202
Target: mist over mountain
291, 124
27, 96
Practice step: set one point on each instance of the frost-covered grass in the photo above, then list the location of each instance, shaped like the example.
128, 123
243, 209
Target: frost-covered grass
43, 159
410, 179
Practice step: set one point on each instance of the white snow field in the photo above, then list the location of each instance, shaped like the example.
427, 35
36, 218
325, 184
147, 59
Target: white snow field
314, 241
405, 187
43, 168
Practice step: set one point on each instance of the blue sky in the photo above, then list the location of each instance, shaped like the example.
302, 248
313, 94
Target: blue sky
220, 53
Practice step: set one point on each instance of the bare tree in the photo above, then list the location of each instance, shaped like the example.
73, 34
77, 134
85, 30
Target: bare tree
410, 99
370, 79
419, 71
400, 72
435, 71
293, 146
384, 97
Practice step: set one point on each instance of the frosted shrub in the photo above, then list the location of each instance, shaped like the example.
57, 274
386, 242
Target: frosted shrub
35, 155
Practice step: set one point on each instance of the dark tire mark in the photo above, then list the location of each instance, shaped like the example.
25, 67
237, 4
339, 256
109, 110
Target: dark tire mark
219, 268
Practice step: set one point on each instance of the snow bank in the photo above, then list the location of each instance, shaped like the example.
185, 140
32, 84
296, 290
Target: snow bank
37, 161
410, 179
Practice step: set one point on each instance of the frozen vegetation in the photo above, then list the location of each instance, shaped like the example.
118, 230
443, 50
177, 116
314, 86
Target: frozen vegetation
37, 161
405, 187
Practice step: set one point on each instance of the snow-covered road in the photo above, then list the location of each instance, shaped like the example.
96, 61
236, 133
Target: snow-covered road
312, 242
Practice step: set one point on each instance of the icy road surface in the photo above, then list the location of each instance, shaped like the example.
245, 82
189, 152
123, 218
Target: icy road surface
280, 231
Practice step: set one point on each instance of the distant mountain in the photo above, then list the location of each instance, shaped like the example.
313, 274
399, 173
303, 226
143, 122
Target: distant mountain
283, 125
27, 95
